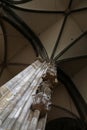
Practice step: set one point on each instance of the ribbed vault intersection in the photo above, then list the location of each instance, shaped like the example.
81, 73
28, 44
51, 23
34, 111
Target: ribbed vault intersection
53, 30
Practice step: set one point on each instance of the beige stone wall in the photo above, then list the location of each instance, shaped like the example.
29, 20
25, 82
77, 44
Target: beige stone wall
61, 98
80, 80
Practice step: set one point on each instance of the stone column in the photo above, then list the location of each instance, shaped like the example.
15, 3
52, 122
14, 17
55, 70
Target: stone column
42, 99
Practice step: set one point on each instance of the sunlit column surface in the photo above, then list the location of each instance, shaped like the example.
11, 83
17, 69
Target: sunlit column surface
25, 99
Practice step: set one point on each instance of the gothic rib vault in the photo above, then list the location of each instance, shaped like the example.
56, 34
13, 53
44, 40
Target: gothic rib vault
55, 31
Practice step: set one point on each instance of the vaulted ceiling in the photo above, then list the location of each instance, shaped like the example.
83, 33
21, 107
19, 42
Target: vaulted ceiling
51, 29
